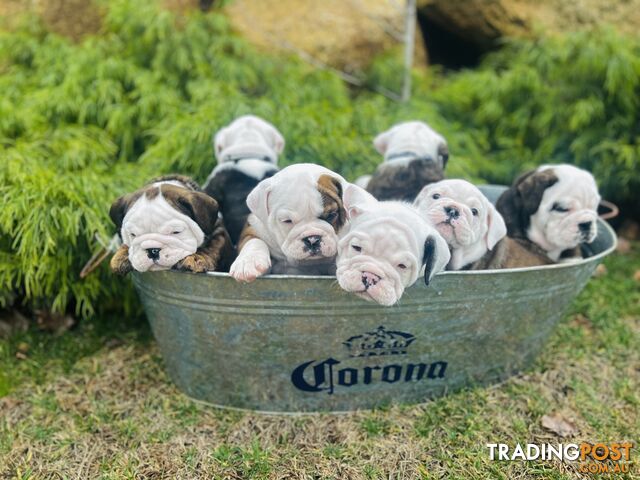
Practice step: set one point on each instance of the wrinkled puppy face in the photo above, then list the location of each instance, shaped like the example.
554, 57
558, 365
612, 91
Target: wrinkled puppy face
304, 213
160, 224
567, 213
407, 141
385, 248
463, 216
248, 135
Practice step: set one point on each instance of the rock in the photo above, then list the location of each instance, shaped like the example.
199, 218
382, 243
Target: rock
343, 34
481, 22
624, 246
600, 271
346, 35
12, 321
630, 229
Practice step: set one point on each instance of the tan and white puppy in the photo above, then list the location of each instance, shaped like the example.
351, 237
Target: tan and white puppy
384, 248
294, 223
554, 207
415, 155
169, 223
472, 227
247, 151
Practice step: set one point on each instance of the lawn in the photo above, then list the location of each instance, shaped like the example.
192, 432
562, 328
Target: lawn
96, 402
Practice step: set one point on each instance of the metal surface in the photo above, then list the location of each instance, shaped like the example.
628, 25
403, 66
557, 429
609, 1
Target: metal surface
296, 343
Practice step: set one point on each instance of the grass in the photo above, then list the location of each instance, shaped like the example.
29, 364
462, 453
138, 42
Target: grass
96, 403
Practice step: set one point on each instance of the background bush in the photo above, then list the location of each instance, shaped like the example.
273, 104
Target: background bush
82, 123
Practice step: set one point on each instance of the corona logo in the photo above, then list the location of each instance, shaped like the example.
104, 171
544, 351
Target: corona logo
329, 374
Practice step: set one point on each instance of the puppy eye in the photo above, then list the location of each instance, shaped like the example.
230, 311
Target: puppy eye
436, 196
559, 208
474, 211
402, 266
288, 220
331, 217
176, 232
133, 235
356, 248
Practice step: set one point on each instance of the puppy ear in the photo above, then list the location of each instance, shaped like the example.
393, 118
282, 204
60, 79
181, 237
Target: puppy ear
258, 199
381, 142
443, 154
202, 208
436, 256
120, 207
497, 229
220, 142
357, 200
278, 141
522, 200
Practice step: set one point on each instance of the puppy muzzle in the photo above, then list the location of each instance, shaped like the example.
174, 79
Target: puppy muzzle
452, 222
158, 252
580, 227
310, 242
371, 280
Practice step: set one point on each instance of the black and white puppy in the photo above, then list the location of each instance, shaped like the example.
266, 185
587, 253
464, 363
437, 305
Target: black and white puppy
415, 155
247, 151
385, 247
554, 207
294, 223
169, 223
473, 228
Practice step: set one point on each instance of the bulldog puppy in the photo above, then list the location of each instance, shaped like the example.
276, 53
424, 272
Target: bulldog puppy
384, 248
169, 223
554, 207
247, 151
473, 228
294, 223
414, 156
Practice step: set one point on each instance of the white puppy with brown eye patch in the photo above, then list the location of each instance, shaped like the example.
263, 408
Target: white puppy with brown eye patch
384, 248
294, 223
465, 218
555, 207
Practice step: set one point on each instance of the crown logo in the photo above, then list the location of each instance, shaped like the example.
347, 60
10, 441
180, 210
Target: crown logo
379, 342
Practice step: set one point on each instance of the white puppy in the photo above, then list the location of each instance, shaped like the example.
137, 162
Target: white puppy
464, 217
384, 247
473, 228
295, 218
247, 151
555, 207
414, 156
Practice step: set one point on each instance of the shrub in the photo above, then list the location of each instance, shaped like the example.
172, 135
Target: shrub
83, 123
570, 99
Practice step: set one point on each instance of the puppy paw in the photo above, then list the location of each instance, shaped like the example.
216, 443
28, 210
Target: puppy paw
248, 268
120, 264
194, 263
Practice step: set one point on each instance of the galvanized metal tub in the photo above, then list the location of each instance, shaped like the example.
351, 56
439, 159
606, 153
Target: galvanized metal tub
301, 344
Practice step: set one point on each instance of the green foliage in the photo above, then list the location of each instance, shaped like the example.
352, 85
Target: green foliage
83, 123
570, 99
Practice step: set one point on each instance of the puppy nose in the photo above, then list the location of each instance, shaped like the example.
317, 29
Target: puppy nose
369, 279
452, 212
585, 227
312, 242
153, 253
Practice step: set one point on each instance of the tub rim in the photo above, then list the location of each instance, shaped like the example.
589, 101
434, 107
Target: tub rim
556, 266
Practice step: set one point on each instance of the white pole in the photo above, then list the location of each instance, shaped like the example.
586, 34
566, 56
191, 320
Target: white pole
409, 44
